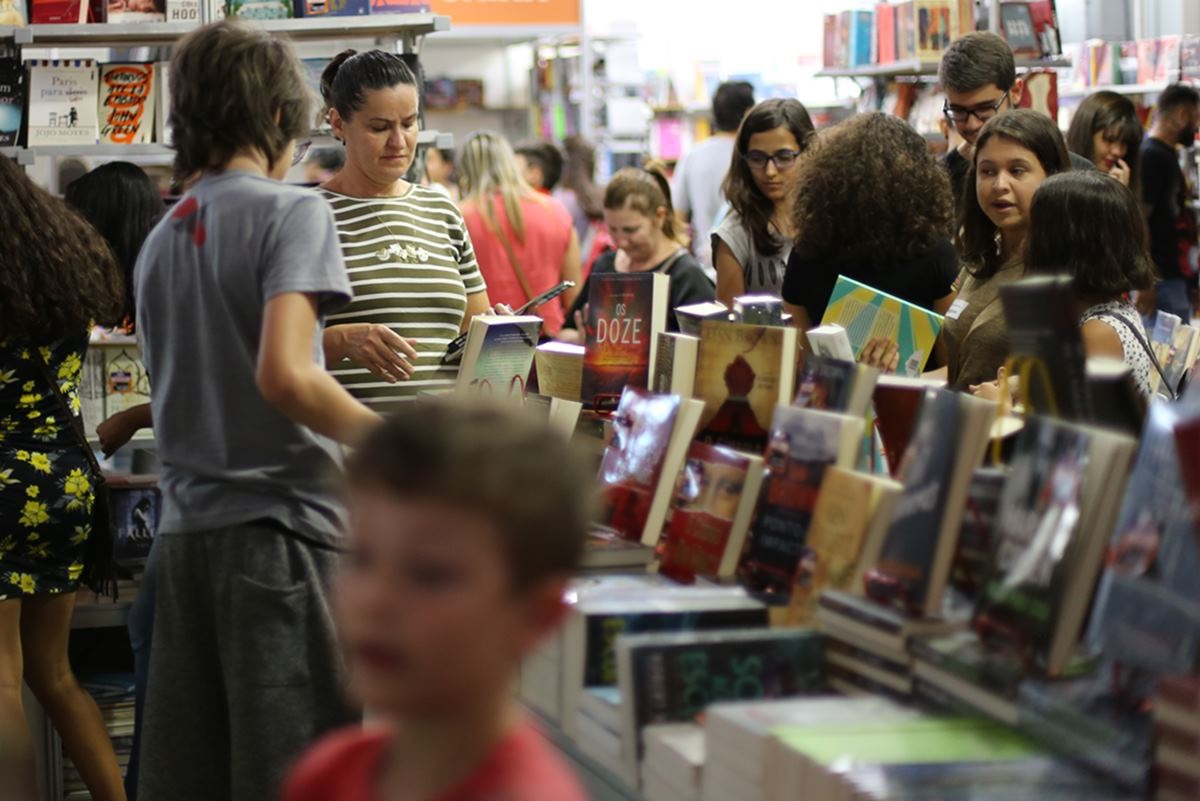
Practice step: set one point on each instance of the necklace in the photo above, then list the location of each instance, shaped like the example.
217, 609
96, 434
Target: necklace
409, 254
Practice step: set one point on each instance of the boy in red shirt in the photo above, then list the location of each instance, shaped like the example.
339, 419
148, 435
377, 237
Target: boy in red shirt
466, 523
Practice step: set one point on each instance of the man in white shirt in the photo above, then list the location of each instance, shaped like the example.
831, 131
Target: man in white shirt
696, 192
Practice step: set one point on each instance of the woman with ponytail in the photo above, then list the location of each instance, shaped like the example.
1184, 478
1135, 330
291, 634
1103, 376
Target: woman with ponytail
639, 215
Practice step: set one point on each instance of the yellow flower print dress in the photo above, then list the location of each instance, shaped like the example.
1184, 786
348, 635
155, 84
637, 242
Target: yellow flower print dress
45, 481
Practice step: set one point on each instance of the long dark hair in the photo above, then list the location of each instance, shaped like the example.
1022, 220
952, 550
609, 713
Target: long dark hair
1099, 113
579, 175
122, 203
1033, 131
351, 74
1090, 226
868, 192
743, 193
59, 275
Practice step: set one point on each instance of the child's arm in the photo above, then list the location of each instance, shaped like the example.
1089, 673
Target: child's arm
120, 428
294, 384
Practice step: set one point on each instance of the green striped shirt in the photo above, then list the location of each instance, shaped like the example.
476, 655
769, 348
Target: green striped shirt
420, 290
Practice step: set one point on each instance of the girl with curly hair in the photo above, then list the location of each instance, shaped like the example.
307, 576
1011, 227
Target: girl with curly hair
872, 204
1015, 153
59, 276
752, 244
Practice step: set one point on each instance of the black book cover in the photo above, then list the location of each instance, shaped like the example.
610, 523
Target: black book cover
972, 559
12, 101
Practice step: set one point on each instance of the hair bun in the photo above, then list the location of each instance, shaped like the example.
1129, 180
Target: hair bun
330, 72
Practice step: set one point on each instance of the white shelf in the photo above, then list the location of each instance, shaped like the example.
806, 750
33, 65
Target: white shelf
101, 614
507, 34
918, 67
381, 26
1121, 89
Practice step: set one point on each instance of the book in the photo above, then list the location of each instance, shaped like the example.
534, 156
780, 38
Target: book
127, 103
259, 9
1167, 66
947, 446
897, 403
742, 373
498, 355
606, 549
1016, 23
674, 363
866, 314
1115, 399
885, 33
400, 6
673, 677
1183, 341
674, 762
332, 8
834, 385
650, 439
1059, 504
933, 21
63, 12
758, 310
845, 515
690, 317
1042, 94
714, 500
829, 48
880, 629
976, 536
1043, 326
1147, 609
183, 10
63, 103
855, 665
1161, 339
959, 664
134, 510
559, 369
162, 112
562, 414
861, 28
126, 383
831, 342
12, 15
906, 31
803, 444
625, 310
12, 101
123, 11
963, 19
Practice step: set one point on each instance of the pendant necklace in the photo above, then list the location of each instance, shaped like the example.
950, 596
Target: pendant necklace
409, 254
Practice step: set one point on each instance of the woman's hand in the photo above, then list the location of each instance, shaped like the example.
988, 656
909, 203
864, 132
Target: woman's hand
881, 353
377, 348
1120, 171
578, 334
1002, 389
502, 309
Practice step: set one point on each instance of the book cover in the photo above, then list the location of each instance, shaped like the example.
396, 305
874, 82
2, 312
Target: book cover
710, 513
906, 562
885, 33
742, 373
1167, 66
933, 28
675, 363
12, 13
63, 103
624, 312
963, 655
498, 355
668, 678
127, 103
824, 383
134, 512
332, 8
906, 31
691, 316
972, 558
1189, 58
861, 25
1036, 527
65, 12
803, 444
1147, 51
12, 101
162, 100
963, 18
1045, 23
121, 11
867, 314
400, 6
1016, 23
183, 10
829, 47
126, 383
840, 521
260, 9
1041, 92
559, 369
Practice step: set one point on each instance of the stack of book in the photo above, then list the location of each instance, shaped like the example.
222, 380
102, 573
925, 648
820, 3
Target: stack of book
1177, 737
114, 694
673, 768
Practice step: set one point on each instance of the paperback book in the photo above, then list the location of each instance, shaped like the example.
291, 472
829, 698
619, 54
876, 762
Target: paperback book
123, 11
498, 355
63, 103
625, 310
866, 314
675, 363
127, 103
12, 101
835, 386
559, 369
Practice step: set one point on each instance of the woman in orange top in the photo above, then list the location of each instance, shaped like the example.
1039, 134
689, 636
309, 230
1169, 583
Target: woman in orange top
524, 241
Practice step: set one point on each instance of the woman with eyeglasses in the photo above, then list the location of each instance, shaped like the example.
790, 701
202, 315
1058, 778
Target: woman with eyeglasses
752, 244
872, 204
406, 247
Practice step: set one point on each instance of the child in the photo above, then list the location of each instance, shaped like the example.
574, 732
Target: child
465, 525
231, 287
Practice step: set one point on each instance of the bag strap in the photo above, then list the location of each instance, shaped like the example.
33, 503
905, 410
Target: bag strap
76, 426
1141, 338
669, 263
513, 262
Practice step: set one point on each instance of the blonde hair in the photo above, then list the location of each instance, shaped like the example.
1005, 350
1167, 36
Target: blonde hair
645, 190
487, 167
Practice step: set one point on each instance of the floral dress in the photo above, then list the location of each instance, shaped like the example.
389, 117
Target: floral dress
45, 481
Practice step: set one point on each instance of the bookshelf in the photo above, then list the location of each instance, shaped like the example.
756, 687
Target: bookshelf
900, 69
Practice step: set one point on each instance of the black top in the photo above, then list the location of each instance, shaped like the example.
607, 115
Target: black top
958, 167
1165, 193
922, 281
689, 284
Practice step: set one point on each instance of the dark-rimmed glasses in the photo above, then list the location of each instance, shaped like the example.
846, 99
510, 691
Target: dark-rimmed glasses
982, 112
782, 159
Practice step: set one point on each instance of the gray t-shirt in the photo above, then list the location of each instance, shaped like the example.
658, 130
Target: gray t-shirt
202, 279
763, 273
697, 190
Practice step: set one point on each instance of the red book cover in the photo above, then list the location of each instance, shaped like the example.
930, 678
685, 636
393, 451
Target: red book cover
1041, 92
624, 311
885, 32
896, 408
703, 512
45, 12
1187, 441
829, 53
1045, 23
1181, 690
633, 459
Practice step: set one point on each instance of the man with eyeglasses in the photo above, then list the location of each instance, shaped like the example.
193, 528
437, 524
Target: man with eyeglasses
979, 76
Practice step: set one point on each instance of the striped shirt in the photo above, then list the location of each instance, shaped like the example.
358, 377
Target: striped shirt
419, 289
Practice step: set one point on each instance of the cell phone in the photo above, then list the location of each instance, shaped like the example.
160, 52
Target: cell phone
455, 348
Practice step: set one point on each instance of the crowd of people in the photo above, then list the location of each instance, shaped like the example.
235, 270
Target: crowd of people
281, 325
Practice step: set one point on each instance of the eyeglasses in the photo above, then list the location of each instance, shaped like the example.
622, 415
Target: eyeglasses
983, 113
782, 159
301, 151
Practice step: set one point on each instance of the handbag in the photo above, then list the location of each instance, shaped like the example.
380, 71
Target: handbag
99, 567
